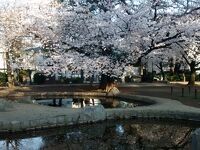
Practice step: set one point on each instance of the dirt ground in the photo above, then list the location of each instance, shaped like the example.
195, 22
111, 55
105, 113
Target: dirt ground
181, 93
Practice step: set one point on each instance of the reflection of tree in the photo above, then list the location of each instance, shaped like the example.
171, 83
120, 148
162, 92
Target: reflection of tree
123, 135
149, 136
49, 142
185, 139
88, 137
78, 102
162, 136
12, 144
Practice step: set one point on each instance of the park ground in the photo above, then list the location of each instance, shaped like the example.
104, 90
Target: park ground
174, 91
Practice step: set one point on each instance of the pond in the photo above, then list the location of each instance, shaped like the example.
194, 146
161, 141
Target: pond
119, 135
80, 102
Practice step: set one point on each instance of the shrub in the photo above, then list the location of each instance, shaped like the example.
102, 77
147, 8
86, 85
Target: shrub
147, 77
198, 77
77, 80
128, 79
73, 80
175, 78
23, 74
3, 79
39, 78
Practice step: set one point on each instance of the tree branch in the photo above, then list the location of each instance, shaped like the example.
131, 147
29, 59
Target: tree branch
187, 61
197, 64
169, 38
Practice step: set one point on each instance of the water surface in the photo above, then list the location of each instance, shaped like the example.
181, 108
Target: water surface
80, 102
121, 135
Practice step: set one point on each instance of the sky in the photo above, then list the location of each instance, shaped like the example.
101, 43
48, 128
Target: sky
22, 2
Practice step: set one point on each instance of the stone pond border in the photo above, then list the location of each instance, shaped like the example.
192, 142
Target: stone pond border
161, 108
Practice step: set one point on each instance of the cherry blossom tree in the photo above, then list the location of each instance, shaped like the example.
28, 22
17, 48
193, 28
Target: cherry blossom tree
101, 36
19, 23
163, 26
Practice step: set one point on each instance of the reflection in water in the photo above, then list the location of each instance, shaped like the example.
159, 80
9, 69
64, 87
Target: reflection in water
22, 144
119, 129
127, 135
196, 139
83, 102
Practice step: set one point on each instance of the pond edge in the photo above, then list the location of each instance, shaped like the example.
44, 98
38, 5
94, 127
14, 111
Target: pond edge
161, 108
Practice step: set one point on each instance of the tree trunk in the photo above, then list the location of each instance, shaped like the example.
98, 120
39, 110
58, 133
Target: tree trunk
82, 76
91, 79
192, 73
192, 78
141, 69
163, 75
183, 77
9, 71
106, 82
161, 70
29, 75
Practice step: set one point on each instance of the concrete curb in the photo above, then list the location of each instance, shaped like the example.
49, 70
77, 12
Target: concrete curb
160, 108
48, 94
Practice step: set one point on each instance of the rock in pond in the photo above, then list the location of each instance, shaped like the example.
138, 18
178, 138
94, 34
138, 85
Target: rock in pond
92, 114
113, 92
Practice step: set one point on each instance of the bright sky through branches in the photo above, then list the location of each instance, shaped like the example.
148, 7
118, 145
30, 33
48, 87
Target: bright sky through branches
22, 2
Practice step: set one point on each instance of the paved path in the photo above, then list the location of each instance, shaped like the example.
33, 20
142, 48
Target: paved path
144, 85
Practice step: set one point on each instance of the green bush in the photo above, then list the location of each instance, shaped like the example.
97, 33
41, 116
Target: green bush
174, 78
147, 77
77, 80
73, 80
3, 79
128, 79
197, 77
23, 74
39, 78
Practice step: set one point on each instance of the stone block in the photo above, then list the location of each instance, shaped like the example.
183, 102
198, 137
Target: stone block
92, 114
